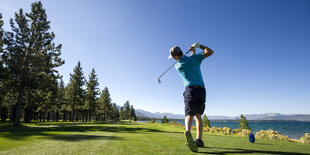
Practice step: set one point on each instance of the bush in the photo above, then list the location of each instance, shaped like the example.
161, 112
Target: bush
177, 124
165, 120
226, 131
223, 131
153, 120
271, 135
242, 132
305, 138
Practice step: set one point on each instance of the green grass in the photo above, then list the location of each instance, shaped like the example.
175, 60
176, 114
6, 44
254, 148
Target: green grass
127, 138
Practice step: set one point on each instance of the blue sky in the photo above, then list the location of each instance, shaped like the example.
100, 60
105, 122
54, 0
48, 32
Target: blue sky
261, 62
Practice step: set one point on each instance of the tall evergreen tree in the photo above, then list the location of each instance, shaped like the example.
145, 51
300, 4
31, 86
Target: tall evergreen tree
121, 114
92, 93
165, 120
30, 53
2, 68
133, 113
116, 113
126, 110
105, 102
61, 100
205, 121
76, 92
243, 123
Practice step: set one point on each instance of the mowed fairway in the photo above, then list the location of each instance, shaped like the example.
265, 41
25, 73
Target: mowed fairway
126, 138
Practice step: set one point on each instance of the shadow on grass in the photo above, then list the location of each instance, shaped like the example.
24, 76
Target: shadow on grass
223, 151
22, 132
80, 137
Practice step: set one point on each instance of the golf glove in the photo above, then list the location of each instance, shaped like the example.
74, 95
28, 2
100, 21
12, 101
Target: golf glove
196, 45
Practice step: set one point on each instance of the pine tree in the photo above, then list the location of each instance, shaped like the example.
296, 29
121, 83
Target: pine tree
2, 73
205, 121
105, 102
92, 93
30, 53
2, 68
61, 99
165, 120
133, 113
127, 110
116, 113
121, 114
76, 91
243, 123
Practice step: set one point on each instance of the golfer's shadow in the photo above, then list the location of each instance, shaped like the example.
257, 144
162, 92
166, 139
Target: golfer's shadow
223, 151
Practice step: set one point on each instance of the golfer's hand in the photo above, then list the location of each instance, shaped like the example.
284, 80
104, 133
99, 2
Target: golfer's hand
196, 45
193, 49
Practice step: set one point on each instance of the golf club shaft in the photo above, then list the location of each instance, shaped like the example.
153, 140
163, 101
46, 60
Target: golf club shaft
170, 68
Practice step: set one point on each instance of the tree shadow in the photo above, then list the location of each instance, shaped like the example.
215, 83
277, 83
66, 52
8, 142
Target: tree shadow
22, 132
246, 151
80, 137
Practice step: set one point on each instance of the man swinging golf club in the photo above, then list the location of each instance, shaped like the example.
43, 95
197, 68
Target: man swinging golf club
195, 94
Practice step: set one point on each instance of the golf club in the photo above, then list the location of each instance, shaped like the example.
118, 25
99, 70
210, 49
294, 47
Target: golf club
168, 69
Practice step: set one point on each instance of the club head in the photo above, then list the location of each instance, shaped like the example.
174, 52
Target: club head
158, 80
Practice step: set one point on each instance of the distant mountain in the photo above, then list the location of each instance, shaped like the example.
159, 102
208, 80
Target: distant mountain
265, 116
144, 113
278, 116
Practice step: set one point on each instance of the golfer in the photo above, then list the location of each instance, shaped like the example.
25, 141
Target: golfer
195, 94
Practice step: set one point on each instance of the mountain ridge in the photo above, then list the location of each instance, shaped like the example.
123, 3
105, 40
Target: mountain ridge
263, 117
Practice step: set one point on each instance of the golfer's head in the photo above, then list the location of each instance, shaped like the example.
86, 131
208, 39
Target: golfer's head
175, 52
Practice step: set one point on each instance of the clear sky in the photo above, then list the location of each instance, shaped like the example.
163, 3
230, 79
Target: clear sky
262, 50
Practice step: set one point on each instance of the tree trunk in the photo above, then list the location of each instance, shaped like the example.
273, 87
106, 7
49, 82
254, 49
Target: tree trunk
48, 116
77, 116
73, 113
89, 117
70, 117
12, 111
57, 116
40, 117
18, 109
44, 115
28, 113
4, 114
64, 117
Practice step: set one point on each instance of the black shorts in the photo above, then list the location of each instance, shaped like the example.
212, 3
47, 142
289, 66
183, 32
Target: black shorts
194, 100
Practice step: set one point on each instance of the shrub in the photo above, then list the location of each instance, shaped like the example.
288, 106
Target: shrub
271, 135
305, 138
242, 132
165, 120
153, 120
223, 131
177, 124
206, 129
226, 131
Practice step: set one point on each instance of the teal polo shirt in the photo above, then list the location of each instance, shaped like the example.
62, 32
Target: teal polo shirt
189, 69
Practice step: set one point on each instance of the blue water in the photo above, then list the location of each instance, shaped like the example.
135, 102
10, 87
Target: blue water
292, 129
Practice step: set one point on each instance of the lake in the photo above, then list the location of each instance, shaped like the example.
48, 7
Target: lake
292, 129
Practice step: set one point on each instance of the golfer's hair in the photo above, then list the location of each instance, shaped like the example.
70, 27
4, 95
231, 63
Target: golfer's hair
179, 54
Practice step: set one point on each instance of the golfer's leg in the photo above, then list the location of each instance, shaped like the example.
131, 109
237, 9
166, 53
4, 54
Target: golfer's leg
188, 122
199, 126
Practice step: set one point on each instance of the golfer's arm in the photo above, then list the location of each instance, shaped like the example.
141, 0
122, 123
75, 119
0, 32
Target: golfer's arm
207, 51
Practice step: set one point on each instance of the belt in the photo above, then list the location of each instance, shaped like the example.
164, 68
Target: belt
195, 87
